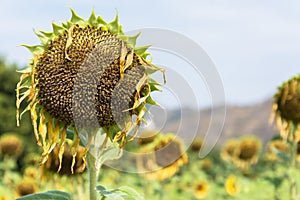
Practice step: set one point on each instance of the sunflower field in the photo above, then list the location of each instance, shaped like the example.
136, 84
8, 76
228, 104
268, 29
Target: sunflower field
56, 154
242, 168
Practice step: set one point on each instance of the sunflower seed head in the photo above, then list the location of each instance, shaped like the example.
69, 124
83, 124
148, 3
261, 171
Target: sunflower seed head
85, 73
96, 54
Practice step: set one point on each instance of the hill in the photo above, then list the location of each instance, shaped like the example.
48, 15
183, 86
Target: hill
239, 121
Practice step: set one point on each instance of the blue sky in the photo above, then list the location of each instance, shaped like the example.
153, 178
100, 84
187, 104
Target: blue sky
255, 45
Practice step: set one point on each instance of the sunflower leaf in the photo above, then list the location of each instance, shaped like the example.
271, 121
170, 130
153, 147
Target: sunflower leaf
111, 152
100, 188
280, 154
121, 193
53, 194
131, 192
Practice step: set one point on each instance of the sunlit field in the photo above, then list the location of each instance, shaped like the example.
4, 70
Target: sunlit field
241, 169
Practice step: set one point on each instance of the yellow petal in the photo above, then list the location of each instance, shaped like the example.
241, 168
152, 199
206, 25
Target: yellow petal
86, 151
43, 128
52, 143
18, 100
33, 114
62, 147
74, 148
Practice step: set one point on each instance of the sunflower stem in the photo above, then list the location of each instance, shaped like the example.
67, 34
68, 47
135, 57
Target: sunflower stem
293, 164
93, 175
98, 145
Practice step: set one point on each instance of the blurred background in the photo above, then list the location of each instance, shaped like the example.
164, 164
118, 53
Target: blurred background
253, 44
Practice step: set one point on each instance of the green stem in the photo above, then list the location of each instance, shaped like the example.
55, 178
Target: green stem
93, 162
276, 187
293, 163
93, 176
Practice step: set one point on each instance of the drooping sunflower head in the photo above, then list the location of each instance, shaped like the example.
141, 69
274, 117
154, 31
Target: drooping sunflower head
286, 105
86, 74
247, 152
162, 158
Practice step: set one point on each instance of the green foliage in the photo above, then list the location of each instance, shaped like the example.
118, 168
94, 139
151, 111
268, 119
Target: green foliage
55, 195
113, 184
8, 79
121, 193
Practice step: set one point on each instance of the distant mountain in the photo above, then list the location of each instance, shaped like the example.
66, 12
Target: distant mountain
239, 121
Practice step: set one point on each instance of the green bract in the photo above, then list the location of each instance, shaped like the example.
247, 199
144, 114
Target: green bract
116, 73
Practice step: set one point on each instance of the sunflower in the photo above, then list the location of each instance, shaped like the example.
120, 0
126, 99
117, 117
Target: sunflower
162, 158
196, 144
228, 149
286, 111
247, 152
201, 190
26, 187
85, 74
11, 146
286, 107
231, 185
207, 164
31, 173
278, 145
